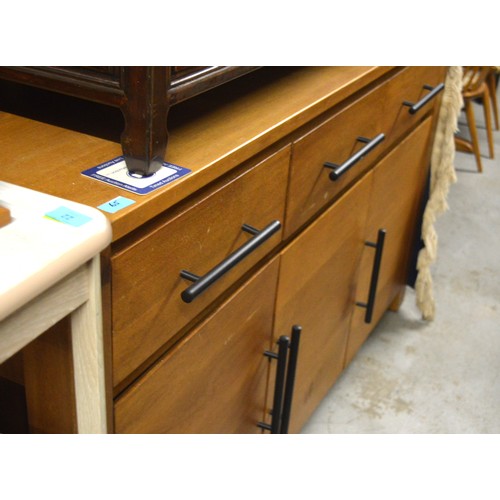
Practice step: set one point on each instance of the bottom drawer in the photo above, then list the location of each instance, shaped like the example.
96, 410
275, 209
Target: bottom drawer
215, 379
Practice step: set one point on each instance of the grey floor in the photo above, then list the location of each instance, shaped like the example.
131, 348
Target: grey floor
413, 376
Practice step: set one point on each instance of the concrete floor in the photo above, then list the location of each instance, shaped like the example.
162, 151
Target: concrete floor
413, 376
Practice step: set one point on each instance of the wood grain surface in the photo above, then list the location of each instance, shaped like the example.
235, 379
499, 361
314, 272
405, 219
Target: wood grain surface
215, 379
50, 158
398, 184
4, 216
146, 282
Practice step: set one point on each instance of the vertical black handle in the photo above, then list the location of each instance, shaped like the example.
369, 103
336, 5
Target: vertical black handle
379, 248
281, 356
290, 378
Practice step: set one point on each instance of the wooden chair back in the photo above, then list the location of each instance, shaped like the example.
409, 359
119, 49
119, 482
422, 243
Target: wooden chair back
474, 77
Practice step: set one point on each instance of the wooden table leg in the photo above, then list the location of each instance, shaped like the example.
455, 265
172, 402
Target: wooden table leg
88, 358
64, 367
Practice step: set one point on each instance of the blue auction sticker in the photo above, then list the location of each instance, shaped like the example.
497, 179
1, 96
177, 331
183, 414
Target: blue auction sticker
115, 172
68, 216
116, 204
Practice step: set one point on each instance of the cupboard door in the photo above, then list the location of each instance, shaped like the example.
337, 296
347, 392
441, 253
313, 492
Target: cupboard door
316, 286
397, 189
215, 379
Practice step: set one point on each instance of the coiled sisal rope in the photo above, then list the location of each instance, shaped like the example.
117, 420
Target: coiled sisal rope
442, 176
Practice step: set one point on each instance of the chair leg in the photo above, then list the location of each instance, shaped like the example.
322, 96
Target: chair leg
487, 119
473, 133
492, 87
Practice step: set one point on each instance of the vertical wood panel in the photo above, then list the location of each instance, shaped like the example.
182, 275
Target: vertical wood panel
13, 416
398, 183
48, 373
317, 279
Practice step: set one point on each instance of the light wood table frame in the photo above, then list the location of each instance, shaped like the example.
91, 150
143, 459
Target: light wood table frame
63, 281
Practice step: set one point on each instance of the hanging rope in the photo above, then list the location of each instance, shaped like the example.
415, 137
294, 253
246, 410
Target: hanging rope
442, 176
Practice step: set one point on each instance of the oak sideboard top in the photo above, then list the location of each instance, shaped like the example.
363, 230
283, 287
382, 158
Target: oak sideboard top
50, 158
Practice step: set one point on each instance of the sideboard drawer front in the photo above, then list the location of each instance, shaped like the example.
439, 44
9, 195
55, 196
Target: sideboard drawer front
214, 380
409, 86
334, 141
147, 286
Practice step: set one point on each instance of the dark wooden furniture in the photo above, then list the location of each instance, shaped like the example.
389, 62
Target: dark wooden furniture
334, 160
143, 93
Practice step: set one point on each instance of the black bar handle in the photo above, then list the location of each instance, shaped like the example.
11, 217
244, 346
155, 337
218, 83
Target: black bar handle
338, 170
290, 378
379, 248
283, 345
201, 283
434, 91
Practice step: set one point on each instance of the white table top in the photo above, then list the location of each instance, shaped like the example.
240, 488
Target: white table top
37, 251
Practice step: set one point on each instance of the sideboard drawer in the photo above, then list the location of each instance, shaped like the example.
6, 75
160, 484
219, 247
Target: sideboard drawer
214, 380
417, 85
334, 141
355, 132
146, 282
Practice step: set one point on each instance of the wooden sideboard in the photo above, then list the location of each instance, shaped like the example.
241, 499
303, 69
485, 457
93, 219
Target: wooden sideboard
312, 181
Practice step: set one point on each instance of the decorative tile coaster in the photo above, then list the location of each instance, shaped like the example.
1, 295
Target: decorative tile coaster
115, 172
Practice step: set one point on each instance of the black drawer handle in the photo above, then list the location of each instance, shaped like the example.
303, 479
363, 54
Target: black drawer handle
379, 248
434, 91
201, 283
338, 170
285, 381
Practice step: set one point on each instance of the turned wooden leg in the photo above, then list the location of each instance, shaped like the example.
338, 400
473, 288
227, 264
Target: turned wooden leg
487, 119
473, 133
492, 87
144, 139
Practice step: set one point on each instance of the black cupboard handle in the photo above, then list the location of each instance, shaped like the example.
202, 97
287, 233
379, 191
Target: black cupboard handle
379, 248
284, 385
281, 356
290, 378
434, 91
338, 170
201, 283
